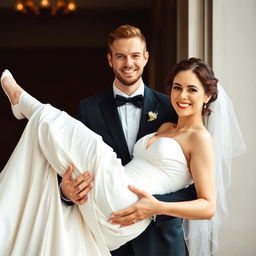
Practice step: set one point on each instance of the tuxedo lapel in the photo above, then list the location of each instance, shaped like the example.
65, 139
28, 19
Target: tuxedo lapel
149, 104
113, 123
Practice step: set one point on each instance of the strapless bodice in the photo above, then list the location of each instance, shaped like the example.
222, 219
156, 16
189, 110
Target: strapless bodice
163, 162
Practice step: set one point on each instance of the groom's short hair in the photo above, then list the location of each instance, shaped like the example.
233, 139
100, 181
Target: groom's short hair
125, 32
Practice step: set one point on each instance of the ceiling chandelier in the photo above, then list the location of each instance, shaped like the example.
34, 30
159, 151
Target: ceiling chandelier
38, 7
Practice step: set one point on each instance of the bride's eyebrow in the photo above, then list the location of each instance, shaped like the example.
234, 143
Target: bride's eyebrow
177, 84
192, 86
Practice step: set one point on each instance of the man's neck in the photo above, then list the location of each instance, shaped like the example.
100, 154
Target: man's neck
128, 89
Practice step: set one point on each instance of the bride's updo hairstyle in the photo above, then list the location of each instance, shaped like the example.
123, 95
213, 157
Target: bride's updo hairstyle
203, 72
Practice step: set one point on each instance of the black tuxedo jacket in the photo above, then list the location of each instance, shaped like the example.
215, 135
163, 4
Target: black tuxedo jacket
99, 113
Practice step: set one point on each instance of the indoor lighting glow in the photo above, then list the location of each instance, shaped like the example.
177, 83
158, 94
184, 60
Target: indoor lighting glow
43, 6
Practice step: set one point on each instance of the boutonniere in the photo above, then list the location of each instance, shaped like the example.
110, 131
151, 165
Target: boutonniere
152, 116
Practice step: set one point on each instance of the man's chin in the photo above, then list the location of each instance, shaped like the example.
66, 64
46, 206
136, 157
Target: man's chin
128, 82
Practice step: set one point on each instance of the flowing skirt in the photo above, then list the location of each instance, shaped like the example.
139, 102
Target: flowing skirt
33, 220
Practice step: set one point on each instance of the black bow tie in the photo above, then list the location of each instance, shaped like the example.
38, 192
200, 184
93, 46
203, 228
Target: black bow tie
137, 101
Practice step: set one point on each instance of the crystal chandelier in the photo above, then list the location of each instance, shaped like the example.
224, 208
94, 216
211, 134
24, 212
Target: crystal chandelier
41, 6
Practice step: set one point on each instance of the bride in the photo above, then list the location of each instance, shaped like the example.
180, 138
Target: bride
33, 221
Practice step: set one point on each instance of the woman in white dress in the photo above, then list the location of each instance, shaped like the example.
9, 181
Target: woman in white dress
33, 221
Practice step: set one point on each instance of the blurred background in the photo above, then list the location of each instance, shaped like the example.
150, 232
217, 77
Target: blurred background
61, 58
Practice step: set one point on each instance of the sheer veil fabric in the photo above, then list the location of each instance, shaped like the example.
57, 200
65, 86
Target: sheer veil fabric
201, 236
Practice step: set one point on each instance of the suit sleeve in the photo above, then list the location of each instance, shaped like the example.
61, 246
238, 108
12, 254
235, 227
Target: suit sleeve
186, 194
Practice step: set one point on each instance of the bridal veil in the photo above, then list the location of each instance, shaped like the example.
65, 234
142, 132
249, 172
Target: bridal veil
201, 236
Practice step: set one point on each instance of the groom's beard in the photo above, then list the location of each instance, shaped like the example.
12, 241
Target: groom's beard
127, 82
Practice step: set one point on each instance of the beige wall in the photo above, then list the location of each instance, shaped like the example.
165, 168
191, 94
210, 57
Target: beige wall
234, 63
231, 47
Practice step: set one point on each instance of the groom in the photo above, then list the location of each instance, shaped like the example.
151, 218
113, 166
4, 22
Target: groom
122, 115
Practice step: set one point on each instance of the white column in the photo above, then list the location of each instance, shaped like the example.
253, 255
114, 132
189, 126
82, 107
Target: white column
194, 29
234, 57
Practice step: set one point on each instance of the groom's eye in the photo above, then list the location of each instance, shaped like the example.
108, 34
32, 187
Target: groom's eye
119, 56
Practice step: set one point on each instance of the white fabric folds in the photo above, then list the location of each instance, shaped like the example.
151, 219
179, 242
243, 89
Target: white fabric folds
33, 221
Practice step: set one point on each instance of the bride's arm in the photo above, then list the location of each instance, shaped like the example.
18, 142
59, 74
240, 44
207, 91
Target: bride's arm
201, 166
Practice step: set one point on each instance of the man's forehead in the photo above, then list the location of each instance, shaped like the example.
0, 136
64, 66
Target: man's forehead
131, 45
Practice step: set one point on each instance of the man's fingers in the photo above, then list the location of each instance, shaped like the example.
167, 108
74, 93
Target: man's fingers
78, 180
80, 185
87, 174
76, 189
82, 200
83, 178
67, 175
85, 191
82, 196
88, 180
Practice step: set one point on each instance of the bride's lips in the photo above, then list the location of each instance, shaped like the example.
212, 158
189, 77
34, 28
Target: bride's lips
183, 105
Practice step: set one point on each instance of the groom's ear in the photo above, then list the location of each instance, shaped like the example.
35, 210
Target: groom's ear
109, 56
146, 56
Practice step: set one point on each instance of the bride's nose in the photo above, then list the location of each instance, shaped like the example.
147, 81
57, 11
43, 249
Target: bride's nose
183, 94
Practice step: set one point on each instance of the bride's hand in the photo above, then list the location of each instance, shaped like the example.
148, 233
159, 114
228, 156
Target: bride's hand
146, 207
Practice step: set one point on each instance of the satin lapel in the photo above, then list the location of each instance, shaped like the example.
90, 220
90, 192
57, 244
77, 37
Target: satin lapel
149, 105
112, 120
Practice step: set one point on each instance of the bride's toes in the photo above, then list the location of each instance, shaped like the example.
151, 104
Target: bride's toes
10, 87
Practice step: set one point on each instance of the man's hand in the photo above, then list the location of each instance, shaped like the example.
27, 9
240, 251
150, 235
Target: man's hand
146, 207
76, 189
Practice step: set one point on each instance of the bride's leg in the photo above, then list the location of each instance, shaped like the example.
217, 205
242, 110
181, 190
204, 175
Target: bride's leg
63, 139
10, 87
23, 104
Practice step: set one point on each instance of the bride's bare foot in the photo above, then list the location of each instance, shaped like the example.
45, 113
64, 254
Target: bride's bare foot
10, 87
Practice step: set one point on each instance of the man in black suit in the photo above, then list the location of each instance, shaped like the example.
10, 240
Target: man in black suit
122, 115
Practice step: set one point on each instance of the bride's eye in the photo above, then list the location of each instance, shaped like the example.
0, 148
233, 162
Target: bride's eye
176, 87
192, 90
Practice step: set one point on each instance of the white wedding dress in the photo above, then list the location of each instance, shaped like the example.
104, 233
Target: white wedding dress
34, 221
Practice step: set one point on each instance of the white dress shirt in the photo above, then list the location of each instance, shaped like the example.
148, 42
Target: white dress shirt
130, 116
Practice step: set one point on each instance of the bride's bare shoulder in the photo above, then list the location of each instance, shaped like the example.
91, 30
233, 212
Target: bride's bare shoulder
201, 137
166, 126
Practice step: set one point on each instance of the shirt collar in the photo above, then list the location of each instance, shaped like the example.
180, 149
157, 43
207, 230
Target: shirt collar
139, 91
